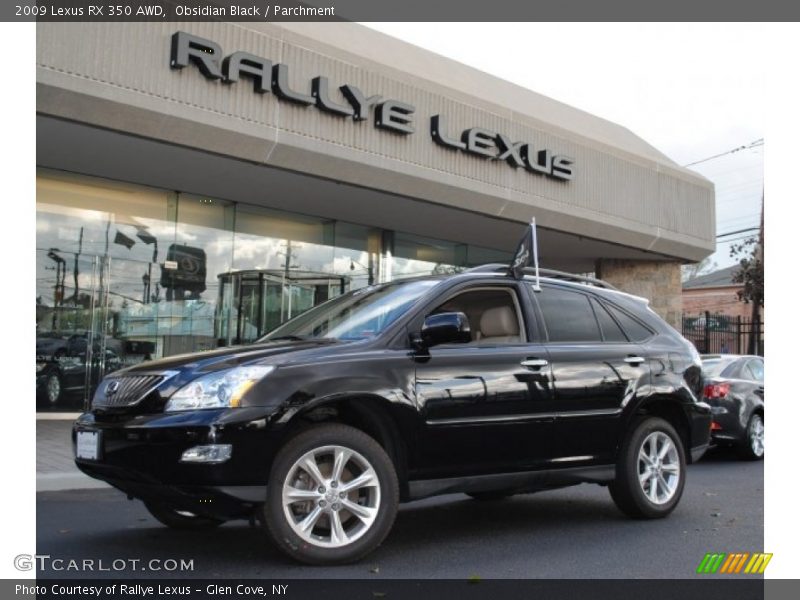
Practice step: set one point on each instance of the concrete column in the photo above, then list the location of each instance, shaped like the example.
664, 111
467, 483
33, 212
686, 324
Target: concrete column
658, 281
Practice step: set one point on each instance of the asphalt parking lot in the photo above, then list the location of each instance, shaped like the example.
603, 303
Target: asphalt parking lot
570, 533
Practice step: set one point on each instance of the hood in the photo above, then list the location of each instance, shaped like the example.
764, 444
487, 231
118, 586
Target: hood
231, 356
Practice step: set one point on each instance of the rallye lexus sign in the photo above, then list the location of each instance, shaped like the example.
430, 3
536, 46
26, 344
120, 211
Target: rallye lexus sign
390, 115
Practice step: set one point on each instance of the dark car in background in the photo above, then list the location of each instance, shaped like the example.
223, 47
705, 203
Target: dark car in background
61, 365
475, 382
67, 373
734, 387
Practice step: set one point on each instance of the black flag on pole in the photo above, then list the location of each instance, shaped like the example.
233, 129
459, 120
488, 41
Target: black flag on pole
527, 254
124, 240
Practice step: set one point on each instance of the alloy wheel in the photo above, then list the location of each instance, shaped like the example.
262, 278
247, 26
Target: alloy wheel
53, 389
659, 467
757, 435
331, 496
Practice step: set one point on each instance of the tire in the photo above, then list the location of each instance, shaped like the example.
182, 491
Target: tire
752, 448
52, 388
492, 496
638, 498
178, 519
321, 500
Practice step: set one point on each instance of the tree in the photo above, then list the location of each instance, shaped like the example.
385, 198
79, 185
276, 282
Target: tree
443, 269
751, 271
751, 275
689, 272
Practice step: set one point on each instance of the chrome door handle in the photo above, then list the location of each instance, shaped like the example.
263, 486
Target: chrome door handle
536, 363
634, 360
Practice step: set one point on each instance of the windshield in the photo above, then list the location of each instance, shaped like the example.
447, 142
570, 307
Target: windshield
357, 315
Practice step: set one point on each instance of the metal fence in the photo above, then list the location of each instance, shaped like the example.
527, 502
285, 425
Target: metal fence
724, 334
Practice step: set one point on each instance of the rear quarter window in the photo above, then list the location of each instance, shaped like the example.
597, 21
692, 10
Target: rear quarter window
612, 332
636, 331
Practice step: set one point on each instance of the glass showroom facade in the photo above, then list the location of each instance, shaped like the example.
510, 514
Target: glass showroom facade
127, 273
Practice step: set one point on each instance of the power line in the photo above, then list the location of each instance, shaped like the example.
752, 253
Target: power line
738, 231
753, 144
735, 239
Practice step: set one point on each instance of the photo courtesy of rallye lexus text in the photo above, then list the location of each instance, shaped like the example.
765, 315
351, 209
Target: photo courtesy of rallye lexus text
489, 382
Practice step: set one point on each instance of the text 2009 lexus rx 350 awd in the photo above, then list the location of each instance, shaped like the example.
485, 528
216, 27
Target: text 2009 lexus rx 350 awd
471, 383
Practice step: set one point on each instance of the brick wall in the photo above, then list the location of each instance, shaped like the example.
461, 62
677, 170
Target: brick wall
658, 281
718, 300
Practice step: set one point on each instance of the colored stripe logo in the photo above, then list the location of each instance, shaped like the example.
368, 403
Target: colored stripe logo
734, 563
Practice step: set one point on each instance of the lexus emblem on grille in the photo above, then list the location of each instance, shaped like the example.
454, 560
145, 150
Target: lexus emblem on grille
112, 388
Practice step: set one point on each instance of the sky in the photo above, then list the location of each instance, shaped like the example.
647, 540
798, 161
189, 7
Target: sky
691, 90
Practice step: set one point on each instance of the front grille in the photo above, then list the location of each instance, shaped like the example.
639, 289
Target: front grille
125, 390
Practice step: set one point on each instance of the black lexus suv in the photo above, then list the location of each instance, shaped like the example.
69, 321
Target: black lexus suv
475, 382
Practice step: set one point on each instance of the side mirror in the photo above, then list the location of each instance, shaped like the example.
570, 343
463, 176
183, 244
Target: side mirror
445, 328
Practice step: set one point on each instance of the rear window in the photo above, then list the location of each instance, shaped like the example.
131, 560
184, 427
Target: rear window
715, 367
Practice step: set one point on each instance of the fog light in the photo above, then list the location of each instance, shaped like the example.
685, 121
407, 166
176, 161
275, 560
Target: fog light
213, 453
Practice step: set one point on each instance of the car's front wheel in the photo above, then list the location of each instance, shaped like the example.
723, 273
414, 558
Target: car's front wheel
651, 470
332, 495
753, 446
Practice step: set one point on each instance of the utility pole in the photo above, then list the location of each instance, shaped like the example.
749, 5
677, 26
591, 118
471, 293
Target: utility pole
75, 269
287, 265
758, 258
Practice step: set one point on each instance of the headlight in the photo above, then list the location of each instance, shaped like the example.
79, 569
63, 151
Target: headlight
221, 389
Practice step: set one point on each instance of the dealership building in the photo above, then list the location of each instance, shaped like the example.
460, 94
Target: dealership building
199, 183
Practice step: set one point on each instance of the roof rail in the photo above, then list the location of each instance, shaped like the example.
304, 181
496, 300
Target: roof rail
551, 273
487, 268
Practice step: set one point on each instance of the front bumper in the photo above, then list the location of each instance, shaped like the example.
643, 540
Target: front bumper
141, 456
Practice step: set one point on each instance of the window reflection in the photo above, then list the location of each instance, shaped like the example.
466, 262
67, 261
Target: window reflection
126, 274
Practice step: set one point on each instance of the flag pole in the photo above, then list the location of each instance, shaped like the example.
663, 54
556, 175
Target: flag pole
535, 245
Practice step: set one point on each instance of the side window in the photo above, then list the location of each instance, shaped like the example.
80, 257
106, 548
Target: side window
635, 331
492, 313
568, 316
755, 369
612, 332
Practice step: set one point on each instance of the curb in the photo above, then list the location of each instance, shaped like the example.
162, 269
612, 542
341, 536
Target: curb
58, 482
57, 416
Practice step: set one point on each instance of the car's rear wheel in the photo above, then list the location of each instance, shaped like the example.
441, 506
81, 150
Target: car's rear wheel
332, 495
180, 519
651, 470
753, 446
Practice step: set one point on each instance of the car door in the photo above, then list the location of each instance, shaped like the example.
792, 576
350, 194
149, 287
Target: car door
482, 403
596, 369
753, 370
